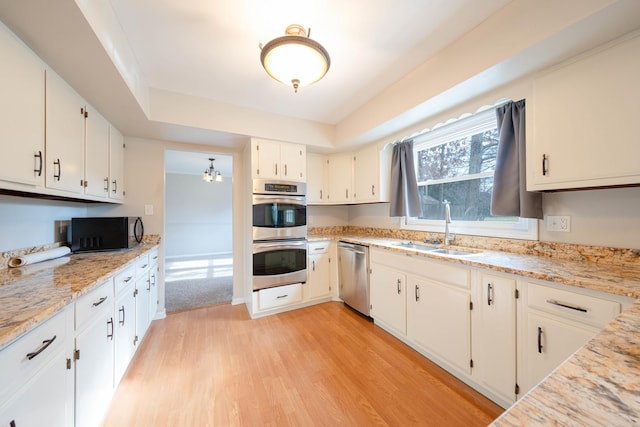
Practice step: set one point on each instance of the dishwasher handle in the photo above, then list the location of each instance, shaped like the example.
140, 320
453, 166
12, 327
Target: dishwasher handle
359, 249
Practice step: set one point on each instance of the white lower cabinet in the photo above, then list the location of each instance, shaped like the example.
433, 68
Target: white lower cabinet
36, 376
153, 285
388, 298
319, 271
125, 322
556, 323
494, 336
278, 296
439, 321
94, 355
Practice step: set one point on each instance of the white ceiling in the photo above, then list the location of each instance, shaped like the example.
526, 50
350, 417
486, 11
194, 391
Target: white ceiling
195, 162
188, 70
210, 48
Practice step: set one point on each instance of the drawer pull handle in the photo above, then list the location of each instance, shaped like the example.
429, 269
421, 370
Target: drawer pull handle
489, 294
100, 301
282, 296
110, 334
565, 305
43, 347
128, 279
540, 340
144, 266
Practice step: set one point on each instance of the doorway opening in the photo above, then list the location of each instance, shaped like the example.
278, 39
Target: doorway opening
198, 242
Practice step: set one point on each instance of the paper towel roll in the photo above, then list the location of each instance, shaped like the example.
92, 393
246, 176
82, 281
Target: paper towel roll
31, 269
39, 256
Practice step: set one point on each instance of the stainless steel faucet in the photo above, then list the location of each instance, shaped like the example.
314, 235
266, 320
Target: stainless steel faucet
448, 237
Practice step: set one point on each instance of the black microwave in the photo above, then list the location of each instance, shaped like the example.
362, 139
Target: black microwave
104, 233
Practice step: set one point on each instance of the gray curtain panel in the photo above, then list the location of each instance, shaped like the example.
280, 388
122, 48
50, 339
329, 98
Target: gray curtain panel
404, 187
510, 196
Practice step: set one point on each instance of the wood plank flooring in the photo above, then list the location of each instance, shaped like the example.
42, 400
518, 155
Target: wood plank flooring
319, 366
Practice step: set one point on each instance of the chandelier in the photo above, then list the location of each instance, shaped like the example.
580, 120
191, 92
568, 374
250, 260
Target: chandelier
294, 59
211, 174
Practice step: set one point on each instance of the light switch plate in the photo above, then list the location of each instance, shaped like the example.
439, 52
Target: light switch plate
559, 223
148, 209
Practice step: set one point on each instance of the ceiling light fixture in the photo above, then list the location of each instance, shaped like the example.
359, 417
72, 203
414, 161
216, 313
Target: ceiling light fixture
211, 174
294, 59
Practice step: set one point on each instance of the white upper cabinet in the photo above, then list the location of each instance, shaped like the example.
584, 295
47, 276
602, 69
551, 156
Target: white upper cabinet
583, 122
340, 175
317, 178
278, 160
65, 111
96, 155
116, 164
21, 112
371, 172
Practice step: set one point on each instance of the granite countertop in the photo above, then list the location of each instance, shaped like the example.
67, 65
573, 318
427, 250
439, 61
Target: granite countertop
600, 383
30, 295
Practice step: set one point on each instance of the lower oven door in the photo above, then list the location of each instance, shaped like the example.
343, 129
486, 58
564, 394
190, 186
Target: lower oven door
277, 263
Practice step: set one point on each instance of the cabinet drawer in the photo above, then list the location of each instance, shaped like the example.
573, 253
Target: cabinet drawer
94, 302
153, 256
279, 296
318, 247
17, 368
142, 264
124, 278
574, 306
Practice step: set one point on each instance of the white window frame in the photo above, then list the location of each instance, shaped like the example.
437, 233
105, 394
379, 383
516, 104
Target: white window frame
484, 119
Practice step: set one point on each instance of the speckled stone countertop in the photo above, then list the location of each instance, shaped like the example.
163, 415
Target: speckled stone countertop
30, 295
618, 279
600, 384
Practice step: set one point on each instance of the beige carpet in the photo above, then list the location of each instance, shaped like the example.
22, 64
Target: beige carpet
194, 293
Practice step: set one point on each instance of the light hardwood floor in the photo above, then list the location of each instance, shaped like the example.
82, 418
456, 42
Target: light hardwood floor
320, 366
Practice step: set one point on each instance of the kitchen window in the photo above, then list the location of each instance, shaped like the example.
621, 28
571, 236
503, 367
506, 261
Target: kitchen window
455, 164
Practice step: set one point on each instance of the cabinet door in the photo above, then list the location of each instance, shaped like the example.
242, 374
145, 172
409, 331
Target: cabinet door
94, 369
125, 332
46, 400
438, 320
549, 342
21, 112
494, 336
153, 291
388, 297
265, 159
96, 155
64, 135
116, 164
143, 288
340, 178
316, 179
318, 281
366, 175
584, 122
293, 161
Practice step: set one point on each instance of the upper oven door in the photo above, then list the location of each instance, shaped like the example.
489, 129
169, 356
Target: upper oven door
279, 217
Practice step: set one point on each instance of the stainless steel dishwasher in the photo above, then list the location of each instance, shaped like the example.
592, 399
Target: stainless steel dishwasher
353, 270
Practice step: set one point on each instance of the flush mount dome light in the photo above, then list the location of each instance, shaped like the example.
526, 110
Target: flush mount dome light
294, 59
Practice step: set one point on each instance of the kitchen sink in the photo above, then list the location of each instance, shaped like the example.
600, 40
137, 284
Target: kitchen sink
416, 246
454, 252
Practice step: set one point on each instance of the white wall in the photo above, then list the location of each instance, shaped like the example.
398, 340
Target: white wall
198, 216
26, 222
327, 216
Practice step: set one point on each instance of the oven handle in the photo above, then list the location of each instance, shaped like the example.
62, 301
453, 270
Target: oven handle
260, 247
296, 200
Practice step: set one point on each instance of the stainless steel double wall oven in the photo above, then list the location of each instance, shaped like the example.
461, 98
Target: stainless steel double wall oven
279, 233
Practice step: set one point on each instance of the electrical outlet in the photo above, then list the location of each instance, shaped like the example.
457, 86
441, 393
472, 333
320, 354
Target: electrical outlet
559, 223
148, 209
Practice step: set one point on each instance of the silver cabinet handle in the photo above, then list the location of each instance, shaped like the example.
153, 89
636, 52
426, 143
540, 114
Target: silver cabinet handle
276, 165
540, 340
43, 347
100, 301
106, 185
417, 293
489, 294
313, 265
38, 170
565, 305
282, 296
57, 163
545, 171
373, 190
121, 310
399, 289
285, 169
